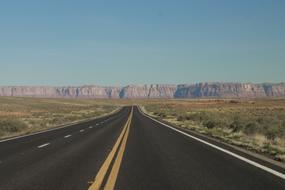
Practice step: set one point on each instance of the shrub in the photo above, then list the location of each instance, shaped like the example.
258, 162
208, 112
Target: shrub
270, 149
12, 125
210, 124
271, 133
188, 117
234, 101
236, 125
162, 115
251, 128
201, 116
181, 118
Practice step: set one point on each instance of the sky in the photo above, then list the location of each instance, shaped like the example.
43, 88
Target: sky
111, 42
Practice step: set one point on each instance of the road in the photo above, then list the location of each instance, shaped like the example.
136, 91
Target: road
128, 150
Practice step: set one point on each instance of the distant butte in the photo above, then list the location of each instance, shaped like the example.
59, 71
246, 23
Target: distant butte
198, 90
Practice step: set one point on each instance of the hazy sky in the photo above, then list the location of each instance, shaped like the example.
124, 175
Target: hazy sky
69, 42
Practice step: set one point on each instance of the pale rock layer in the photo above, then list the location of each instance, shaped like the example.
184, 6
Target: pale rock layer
198, 90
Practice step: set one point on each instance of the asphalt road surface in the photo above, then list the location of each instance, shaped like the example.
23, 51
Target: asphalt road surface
128, 151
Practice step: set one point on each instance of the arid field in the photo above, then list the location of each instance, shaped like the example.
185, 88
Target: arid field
258, 125
26, 115
255, 124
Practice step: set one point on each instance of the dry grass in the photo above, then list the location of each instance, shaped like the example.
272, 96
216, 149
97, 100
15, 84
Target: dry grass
26, 115
254, 124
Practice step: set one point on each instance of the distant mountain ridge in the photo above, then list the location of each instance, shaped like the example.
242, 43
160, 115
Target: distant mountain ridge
198, 90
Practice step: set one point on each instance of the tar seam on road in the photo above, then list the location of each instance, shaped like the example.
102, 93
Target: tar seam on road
118, 148
267, 169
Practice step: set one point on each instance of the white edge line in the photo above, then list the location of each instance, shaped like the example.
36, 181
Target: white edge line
43, 145
57, 128
82, 130
67, 136
274, 172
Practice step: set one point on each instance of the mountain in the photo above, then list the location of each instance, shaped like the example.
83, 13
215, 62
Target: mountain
198, 90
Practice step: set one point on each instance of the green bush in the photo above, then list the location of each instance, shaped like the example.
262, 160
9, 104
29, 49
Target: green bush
237, 125
272, 133
181, 118
12, 125
162, 115
174, 114
210, 124
199, 117
251, 128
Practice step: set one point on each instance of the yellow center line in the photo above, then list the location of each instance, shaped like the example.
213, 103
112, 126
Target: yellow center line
115, 169
104, 168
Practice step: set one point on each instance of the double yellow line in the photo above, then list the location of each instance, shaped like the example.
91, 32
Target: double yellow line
116, 153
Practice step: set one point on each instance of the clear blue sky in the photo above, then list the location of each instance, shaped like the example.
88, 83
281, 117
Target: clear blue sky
69, 42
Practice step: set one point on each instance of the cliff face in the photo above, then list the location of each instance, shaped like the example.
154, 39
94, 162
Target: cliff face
220, 90
230, 90
148, 91
62, 92
199, 90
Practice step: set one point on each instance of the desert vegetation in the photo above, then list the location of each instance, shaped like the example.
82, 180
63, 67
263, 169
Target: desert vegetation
26, 115
255, 124
258, 125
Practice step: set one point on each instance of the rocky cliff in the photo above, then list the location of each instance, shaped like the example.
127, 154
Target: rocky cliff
230, 90
198, 90
148, 91
61, 92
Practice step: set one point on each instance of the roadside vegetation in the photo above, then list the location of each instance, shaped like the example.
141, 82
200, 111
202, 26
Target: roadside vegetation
257, 125
26, 115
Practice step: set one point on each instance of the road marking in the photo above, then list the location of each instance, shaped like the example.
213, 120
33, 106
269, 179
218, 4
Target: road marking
90, 127
274, 172
82, 130
110, 184
43, 145
121, 141
67, 136
97, 124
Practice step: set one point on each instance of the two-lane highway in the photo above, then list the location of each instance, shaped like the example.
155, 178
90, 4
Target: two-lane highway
127, 151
